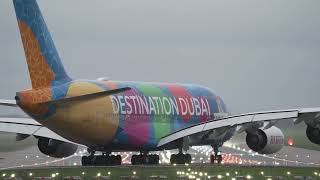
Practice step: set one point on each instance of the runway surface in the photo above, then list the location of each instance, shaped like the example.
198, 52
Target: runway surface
232, 154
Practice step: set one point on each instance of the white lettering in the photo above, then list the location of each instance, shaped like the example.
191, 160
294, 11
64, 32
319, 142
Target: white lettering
148, 105
129, 110
167, 105
183, 105
122, 105
152, 106
115, 104
197, 106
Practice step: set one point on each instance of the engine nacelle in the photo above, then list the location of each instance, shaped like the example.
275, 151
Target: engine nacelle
267, 141
313, 134
55, 148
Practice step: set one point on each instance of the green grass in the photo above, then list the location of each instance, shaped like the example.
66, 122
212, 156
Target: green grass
171, 172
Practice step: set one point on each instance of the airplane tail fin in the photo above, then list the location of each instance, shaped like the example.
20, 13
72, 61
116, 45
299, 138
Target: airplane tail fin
44, 64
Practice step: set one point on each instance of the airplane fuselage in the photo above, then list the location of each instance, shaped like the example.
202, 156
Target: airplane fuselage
135, 119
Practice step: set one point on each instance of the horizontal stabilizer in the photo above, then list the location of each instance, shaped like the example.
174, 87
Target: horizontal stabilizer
5, 102
87, 97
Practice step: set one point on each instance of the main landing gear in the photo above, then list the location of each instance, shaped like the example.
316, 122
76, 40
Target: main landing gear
100, 160
217, 157
180, 158
145, 158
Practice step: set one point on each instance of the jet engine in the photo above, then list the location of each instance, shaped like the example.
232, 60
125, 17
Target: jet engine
55, 148
267, 141
313, 134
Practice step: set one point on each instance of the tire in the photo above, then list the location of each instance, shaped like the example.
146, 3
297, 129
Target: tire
141, 160
212, 159
134, 159
154, 159
173, 159
118, 160
220, 159
100, 161
181, 159
137, 160
86, 161
111, 160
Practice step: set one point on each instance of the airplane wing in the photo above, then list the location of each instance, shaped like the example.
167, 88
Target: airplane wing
245, 121
28, 126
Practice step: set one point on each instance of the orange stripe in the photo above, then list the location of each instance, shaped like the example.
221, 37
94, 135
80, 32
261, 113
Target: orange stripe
40, 73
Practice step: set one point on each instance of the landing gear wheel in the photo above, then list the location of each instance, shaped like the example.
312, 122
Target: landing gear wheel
145, 159
212, 158
86, 160
173, 159
153, 159
136, 160
216, 159
180, 158
116, 160
101, 160
219, 159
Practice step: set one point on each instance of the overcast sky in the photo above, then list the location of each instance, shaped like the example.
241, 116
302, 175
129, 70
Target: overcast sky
257, 55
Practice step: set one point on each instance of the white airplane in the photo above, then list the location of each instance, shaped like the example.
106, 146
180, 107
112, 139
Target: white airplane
107, 116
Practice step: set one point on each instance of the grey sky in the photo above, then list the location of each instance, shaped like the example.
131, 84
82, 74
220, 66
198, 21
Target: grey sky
258, 55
